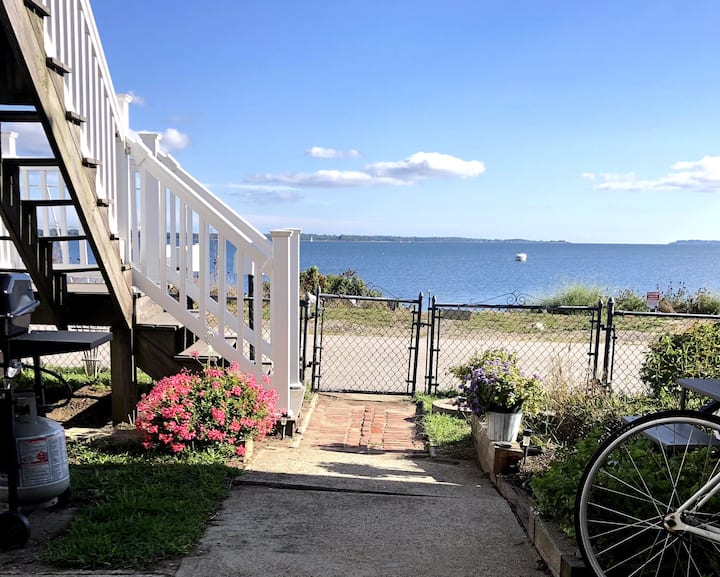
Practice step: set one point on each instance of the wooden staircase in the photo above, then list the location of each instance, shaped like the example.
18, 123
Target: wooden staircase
34, 80
141, 291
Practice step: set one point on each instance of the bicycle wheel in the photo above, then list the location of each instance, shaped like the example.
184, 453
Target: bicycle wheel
639, 475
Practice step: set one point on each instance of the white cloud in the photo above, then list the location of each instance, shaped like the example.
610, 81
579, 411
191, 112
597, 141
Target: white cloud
173, 139
327, 179
424, 165
696, 176
417, 167
261, 193
321, 152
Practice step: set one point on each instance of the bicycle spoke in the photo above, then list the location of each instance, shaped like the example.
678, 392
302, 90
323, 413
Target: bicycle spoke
639, 493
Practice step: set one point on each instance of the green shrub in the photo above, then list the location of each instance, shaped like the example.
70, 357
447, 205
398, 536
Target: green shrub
346, 283
705, 303
569, 432
693, 353
554, 489
627, 300
574, 295
680, 300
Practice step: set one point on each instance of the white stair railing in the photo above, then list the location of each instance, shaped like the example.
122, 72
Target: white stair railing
71, 37
198, 259
168, 223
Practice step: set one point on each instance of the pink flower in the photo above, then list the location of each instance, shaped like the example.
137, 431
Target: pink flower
218, 407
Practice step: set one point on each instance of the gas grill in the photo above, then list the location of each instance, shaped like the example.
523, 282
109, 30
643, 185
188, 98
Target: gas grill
17, 302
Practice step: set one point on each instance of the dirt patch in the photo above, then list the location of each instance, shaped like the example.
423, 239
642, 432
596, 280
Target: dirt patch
90, 406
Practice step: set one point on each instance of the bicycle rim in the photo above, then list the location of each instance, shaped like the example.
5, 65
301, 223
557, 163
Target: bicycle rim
633, 481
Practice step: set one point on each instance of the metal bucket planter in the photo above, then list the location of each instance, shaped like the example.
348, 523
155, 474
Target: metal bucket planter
503, 426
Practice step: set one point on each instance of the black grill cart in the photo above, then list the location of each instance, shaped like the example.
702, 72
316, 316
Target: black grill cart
17, 302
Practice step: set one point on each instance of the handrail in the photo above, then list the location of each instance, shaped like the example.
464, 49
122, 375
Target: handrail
165, 169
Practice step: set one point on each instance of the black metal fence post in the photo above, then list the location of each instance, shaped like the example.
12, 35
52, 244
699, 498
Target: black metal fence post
597, 329
609, 330
415, 345
431, 356
251, 310
304, 321
317, 344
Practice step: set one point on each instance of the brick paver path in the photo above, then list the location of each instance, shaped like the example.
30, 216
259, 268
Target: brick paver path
361, 424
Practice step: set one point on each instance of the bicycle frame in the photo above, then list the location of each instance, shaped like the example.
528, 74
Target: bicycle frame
674, 521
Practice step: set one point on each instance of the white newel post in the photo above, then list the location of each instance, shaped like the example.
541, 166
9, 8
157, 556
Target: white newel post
295, 306
284, 314
8, 144
8, 149
123, 102
151, 242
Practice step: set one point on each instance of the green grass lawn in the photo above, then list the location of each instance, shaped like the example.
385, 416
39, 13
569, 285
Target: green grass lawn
137, 509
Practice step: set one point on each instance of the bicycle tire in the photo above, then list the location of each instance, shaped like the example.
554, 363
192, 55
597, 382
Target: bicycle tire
633, 481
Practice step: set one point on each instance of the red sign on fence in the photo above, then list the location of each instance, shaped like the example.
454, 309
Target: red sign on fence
652, 300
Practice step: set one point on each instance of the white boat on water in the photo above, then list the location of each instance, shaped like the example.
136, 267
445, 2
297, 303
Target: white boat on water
521, 257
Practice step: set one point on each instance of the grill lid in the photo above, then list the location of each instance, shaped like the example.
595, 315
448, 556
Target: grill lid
16, 295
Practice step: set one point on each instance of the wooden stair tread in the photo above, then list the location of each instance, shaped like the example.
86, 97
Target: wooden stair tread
163, 319
31, 161
201, 350
47, 202
19, 116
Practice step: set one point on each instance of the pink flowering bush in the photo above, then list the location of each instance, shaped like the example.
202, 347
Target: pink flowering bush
220, 407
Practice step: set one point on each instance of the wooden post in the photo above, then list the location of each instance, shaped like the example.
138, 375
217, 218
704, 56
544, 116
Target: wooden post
122, 370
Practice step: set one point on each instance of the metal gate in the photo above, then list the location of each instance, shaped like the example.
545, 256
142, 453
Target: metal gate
560, 343
366, 344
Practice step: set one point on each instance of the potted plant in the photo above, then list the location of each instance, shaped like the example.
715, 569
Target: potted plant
493, 384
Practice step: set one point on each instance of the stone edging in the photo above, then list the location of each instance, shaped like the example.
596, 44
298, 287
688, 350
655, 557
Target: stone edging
558, 552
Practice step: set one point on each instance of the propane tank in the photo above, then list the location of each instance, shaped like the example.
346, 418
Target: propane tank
43, 472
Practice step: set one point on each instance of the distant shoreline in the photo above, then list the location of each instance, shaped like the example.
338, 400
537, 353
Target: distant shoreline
308, 237
385, 238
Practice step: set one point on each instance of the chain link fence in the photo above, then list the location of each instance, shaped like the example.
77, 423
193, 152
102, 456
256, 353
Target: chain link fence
630, 338
386, 346
379, 345
558, 343
365, 344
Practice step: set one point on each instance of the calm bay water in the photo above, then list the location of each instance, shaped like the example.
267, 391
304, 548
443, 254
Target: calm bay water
457, 272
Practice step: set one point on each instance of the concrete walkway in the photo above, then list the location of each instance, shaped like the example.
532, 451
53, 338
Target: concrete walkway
354, 494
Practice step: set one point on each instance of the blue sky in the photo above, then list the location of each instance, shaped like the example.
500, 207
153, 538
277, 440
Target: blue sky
538, 119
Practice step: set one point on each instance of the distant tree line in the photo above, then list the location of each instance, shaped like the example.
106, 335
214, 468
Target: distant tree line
391, 238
